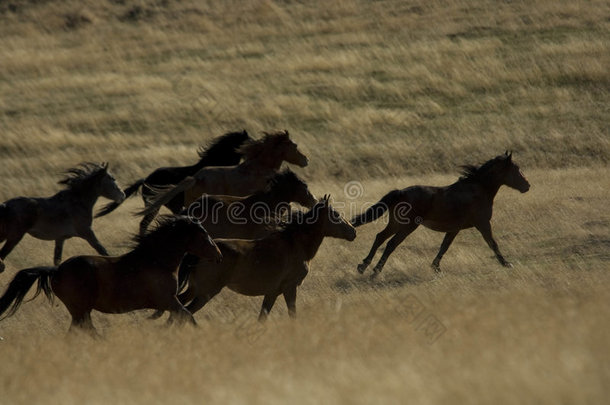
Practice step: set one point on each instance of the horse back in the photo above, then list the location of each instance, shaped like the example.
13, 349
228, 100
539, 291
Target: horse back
448, 208
225, 180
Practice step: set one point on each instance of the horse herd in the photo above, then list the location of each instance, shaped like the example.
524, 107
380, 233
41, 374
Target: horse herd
190, 256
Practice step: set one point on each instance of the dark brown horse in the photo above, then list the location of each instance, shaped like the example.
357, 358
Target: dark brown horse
62, 216
464, 204
262, 159
272, 266
146, 277
253, 216
223, 151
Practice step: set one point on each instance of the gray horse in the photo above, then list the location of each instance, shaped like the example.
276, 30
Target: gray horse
62, 216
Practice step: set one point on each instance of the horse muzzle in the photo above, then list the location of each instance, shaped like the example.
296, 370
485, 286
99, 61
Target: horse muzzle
351, 234
119, 197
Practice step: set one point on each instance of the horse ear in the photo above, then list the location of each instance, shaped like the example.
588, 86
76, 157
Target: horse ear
506, 152
105, 165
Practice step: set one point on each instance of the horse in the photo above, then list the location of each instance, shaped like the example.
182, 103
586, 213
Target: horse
64, 215
262, 159
249, 217
253, 216
464, 204
145, 277
223, 151
271, 266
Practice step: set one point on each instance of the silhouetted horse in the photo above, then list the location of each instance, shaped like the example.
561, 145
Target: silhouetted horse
62, 216
271, 266
223, 151
464, 204
262, 159
146, 277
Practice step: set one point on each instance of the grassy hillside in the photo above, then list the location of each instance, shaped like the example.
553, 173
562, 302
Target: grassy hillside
387, 93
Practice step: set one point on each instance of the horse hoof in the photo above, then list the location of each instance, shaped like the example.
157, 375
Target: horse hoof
508, 265
436, 267
375, 274
362, 267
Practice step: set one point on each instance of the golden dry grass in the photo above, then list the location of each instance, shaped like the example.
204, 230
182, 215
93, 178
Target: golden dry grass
388, 93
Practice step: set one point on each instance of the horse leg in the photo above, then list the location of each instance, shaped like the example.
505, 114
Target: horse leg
180, 313
148, 218
200, 300
485, 229
268, 302
188, 295
10, 244
184, 298
90, 237
83, 322
379, 239
389, 248
449, 236
59, 246
290, 296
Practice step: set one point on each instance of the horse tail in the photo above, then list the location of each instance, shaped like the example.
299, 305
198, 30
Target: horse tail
378, 209
164, 195
108, 208
21, 284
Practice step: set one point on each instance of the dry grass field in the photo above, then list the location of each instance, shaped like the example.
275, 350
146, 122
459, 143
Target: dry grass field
386, 93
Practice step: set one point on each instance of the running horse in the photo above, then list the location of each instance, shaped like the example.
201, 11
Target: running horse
252, 217
271, 266
223, 151
145, 277
262, 159
464, 204
62, 216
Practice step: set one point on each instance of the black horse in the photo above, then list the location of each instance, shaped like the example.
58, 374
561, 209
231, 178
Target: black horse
464, 204
66, 214
145, 277
223, 151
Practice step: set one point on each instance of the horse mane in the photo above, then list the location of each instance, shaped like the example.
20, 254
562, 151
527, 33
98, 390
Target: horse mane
254, 147
472, 173
81, 174
157, 235
221, 146
296, 219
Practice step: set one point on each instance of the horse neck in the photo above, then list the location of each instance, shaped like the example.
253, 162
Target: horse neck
309, 237
166, 256
87, 195
492, 185
262, 163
